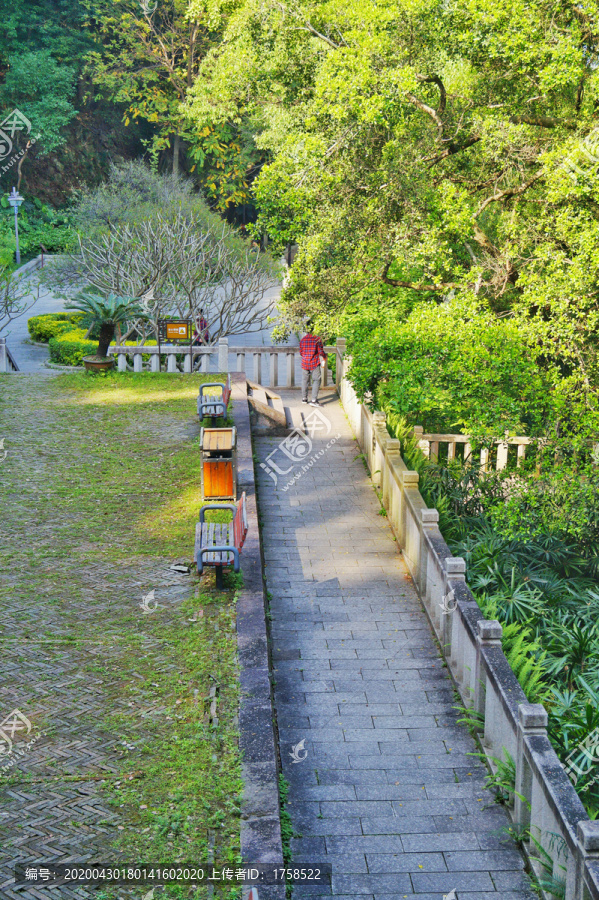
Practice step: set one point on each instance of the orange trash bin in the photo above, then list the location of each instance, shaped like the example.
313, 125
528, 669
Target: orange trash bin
219, 463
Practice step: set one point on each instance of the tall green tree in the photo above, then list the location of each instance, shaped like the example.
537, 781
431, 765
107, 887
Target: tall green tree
148, 60
43, 47
55, 25
41, 91
423, 151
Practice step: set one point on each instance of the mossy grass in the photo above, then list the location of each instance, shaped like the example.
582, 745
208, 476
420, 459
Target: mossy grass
101, 492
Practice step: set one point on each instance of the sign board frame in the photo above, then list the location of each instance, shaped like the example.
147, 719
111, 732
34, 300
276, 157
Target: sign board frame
169, 325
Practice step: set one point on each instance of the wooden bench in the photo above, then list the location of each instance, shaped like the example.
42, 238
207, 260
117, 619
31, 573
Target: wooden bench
214, 405
219, 543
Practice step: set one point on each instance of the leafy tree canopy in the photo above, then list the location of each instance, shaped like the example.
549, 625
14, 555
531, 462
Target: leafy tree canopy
41, 90
54, 25
432, 151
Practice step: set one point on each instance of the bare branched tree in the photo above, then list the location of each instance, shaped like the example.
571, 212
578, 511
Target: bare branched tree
176, 265
17, 296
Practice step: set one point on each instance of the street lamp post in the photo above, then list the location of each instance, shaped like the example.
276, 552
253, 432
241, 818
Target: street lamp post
15, 200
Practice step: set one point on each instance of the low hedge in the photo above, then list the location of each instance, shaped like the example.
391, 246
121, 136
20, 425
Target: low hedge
42, 328
69, 347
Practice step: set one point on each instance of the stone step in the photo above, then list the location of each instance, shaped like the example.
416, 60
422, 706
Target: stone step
259, 395
277, 403
267, 405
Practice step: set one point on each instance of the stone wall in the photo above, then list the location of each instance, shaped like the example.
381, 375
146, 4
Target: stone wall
550, 806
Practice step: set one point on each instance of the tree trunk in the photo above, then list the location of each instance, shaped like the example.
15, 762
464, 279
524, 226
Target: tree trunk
20, 165
106, 335
176, 154
81, 89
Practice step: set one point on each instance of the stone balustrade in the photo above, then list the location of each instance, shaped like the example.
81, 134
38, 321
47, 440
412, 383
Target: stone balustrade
7, 361
273, 365
548, 804
432, 444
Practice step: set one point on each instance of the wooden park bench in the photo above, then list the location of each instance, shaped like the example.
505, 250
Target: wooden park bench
214, 405
219, 543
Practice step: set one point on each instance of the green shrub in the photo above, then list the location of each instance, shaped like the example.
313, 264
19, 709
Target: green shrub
452, 368
39, 225
42, 328
69, 347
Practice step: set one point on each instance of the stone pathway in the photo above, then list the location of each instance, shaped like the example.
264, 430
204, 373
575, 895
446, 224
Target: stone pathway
29, 357
381, 784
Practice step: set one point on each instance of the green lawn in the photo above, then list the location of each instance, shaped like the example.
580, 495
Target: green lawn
100, 494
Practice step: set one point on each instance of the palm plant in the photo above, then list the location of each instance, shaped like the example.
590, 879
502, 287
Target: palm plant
574, 648
107, 313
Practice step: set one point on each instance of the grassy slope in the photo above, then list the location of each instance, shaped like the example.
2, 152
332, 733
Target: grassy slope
103, 475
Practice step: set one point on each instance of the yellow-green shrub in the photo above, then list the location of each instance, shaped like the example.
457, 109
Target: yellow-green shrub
42, 328
69, 347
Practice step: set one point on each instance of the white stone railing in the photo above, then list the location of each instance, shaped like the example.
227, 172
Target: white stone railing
7, 361
275, 365
432, 444
472, 648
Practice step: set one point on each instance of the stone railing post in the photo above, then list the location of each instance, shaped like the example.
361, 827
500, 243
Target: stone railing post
409, 481
223, 354
290, 358
489, 635
379, 431
258, 368
455, 570
393, 455
3, 356
532, 719
188, 360
341, 350
429, 519
121, 362
274, 369
155, 362
137, 362
587, 849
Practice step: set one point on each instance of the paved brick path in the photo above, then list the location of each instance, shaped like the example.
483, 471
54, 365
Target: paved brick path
386, 792
67, 618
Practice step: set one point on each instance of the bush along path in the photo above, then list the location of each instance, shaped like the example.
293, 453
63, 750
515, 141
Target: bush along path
541, 584
383, 782
124, 669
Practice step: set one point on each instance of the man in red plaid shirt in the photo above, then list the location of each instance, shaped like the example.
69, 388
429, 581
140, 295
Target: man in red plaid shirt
311, 352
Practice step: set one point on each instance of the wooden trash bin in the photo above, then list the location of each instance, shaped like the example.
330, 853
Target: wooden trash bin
219, 463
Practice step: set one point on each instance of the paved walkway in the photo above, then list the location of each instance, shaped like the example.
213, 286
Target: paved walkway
385, 789
29, 357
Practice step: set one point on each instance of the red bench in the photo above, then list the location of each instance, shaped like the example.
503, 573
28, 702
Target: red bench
214, 405
219, 544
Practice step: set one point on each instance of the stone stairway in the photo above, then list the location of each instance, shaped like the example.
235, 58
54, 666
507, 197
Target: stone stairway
384, 781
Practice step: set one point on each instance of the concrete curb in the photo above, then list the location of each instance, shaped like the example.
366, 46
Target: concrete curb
57, 367
260, 812
32, 265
